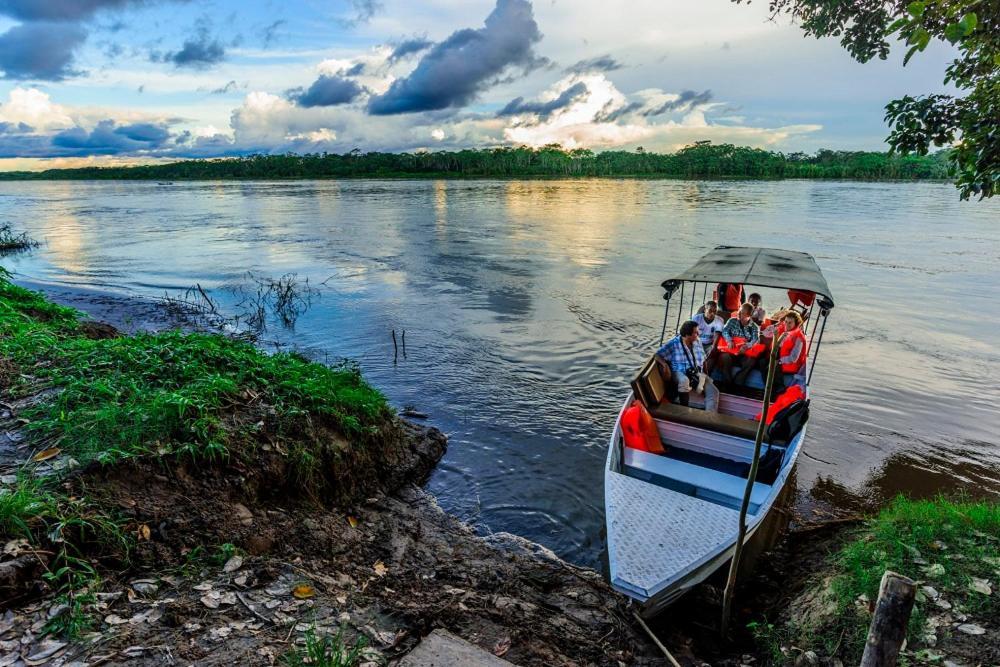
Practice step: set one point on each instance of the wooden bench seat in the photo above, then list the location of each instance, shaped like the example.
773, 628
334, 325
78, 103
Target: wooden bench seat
649, 387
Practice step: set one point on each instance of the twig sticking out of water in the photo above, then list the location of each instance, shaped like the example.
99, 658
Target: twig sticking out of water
11, 242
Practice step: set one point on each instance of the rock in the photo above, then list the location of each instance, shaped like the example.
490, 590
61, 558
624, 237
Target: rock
930, 592
45, 650
971, 629
952, 663
211, 600
115, 619
145, 587
941, 603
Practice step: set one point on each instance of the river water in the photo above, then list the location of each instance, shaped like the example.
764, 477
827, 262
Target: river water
527, 305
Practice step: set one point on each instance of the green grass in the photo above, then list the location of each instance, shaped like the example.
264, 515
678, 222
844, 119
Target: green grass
908, 537
324, 651
168, 394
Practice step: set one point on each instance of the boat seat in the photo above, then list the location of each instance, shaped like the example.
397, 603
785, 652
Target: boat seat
710, 484
649, 387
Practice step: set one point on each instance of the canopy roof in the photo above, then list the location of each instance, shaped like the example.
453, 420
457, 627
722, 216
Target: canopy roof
766, 267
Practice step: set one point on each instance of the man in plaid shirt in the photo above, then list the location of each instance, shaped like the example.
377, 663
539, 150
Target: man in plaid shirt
683, 355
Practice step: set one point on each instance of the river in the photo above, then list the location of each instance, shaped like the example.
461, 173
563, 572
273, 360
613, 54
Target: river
527, 305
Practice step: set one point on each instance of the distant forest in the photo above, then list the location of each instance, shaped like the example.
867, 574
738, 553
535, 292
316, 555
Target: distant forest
701, 160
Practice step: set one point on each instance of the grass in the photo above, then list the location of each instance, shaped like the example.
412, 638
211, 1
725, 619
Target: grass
325, 651
169, 392
942, 542
165, 394
10, 241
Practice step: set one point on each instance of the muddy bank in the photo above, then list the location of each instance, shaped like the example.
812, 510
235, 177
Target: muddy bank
240, 559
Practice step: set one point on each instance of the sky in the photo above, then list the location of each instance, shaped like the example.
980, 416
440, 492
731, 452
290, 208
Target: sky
136, 81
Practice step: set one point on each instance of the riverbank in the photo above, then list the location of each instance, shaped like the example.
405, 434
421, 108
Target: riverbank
185, 496
208, 534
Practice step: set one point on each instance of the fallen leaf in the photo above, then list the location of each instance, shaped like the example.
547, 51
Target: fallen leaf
380, 568
144, 532
981, 586
46, 454
353, 520
303, 591
115, 619
233, 564
502, 646
46, 650
210, 601
935, 570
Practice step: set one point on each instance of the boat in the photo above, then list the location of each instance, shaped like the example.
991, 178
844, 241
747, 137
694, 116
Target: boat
673, 519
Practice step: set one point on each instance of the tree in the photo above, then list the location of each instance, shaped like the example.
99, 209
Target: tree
968, 123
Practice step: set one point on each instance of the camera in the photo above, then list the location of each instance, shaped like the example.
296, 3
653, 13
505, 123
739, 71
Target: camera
694, 377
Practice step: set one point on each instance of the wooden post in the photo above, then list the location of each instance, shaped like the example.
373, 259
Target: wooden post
734, 565
892, 612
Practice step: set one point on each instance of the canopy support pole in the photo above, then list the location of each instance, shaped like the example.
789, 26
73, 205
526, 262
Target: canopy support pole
734, 565
666, 314
824, 313
669, 287
679, 309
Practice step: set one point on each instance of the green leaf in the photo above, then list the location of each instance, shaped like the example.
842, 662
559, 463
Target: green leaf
909, 54
954, 32
969, 23
916, 9
896, 25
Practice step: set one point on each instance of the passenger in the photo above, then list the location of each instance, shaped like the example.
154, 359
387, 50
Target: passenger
740, 326
792, 353
729, 296
682, 358
759, 314
709, 326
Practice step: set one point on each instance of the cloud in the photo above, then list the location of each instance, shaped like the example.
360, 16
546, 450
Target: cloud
409, 47
200, 51
270, 32
59, 10
688, 99
108, 139
228, 88
603, 63
455, 71
40, 50
364, 11
327, 90
578, 91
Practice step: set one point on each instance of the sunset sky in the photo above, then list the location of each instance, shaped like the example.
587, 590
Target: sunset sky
112, 81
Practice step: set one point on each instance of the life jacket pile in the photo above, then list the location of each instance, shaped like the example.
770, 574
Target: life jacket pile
755, 350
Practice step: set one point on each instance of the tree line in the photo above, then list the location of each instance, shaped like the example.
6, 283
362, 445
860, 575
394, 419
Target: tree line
700, 160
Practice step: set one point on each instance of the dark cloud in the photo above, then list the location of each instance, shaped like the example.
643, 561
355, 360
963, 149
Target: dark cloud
270, 32
60, 10
15, 128
355, 70
108, 139
409, 47
40, 50
603, 63
327, 90
465, 64
228, 88
364, 11
609, 114
688, 99
578, 91
200, 51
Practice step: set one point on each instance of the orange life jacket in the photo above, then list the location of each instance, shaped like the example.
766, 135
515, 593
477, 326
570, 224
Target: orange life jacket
639, 430
729, 296
755, 350
787, 397
786, 348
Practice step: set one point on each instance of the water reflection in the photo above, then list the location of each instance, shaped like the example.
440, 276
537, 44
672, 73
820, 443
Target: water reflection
528, 305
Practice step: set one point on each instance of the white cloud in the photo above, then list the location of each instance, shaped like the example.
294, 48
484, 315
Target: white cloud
34, 107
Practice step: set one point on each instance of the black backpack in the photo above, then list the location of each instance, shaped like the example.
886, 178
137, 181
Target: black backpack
788, 422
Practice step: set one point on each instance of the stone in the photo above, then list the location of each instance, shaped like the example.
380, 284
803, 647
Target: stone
971, 629
981, 586
243, 513
930, 592
443, 649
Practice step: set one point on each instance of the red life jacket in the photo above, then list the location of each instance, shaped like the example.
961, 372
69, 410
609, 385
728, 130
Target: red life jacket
729, 296
796, 296
786, 348
787, 397
755, 350
639, 430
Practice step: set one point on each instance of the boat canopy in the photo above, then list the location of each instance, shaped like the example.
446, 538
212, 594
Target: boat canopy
766, 267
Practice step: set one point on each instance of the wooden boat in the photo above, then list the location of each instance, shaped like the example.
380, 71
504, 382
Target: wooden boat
673, 519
